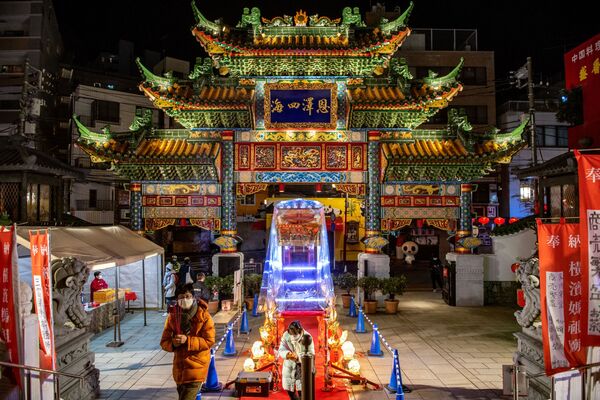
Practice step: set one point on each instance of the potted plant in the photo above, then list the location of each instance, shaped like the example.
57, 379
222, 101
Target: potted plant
370, 284
226, 292
393, 286
347, 282
213, 283
252, 284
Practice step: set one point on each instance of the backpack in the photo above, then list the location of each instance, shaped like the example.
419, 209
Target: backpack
176, 279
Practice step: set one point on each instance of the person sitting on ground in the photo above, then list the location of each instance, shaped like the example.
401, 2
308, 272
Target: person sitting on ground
189, 333
290, 350
97, 284
201, 291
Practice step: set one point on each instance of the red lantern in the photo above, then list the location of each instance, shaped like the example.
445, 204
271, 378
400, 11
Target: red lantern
514, 267
520, 298
499, 221
512, 220
483, 220
420, 223
473, 220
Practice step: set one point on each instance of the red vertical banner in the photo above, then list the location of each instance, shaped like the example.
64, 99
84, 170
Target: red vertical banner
561, 296
42, 290
582, 68
9, 324
588, 167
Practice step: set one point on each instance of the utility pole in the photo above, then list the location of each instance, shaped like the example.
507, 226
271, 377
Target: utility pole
531, 111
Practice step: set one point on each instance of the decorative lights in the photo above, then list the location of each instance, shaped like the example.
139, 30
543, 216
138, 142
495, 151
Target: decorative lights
354, 366
249, 365
483, 220
348, 350
257, 350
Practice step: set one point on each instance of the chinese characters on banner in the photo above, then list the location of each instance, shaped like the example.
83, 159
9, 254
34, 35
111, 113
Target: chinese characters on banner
582, 68
9, 324
562, 296
589, 215
42, 287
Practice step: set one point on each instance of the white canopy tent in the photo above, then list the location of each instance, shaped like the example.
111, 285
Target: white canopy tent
123, 256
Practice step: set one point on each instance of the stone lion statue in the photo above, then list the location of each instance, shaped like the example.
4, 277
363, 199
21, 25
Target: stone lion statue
69, 277
528, 275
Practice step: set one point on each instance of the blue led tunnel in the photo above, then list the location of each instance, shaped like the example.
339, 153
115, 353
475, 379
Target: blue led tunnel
297, 275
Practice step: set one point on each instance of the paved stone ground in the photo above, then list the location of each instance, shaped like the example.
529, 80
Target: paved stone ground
445, 353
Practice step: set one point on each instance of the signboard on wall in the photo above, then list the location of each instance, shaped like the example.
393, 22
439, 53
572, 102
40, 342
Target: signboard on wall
582, 68
300, 105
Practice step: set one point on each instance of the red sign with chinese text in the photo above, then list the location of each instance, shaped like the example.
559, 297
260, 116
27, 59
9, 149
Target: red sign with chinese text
42, 289
8, 281
588, 170
561, 296
582, 68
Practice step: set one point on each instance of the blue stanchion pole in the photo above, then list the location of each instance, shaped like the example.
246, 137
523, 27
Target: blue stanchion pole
352, 312
395, 385
229, 343
255, 306
212, 383
244, 326
375, 349
360, 323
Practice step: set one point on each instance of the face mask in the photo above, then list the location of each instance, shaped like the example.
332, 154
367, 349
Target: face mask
295, 338
99, 276
186, 304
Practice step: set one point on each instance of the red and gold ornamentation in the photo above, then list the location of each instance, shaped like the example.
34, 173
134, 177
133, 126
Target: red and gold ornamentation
154, 224
442, 224
394, 224
351, 188
243, 189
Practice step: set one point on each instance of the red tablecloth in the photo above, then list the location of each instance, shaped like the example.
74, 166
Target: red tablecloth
130, 296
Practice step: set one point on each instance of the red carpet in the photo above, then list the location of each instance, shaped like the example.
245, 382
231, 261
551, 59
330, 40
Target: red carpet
310, 322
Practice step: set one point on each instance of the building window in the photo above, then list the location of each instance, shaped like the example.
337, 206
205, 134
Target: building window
106, 111
248, 200
526, 190
552, 136
562, 135
473, 76
93, 198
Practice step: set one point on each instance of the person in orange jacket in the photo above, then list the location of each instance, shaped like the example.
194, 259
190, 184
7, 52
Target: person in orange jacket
189, 333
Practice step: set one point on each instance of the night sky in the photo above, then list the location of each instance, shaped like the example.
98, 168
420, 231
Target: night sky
513, 30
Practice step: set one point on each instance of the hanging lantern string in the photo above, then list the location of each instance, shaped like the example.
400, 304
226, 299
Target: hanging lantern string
381, 337
229, 327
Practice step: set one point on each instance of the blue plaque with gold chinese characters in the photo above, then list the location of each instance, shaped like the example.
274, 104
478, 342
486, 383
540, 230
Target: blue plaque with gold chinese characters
300, 105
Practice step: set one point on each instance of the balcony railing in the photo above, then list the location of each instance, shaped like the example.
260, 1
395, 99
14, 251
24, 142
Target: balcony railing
98, 205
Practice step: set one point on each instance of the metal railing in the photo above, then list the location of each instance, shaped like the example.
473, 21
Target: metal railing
516, 368
27, 369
